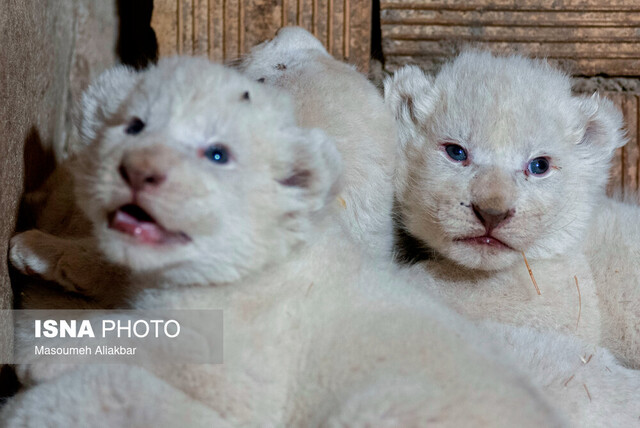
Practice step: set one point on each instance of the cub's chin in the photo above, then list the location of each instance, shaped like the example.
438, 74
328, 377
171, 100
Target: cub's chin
140, 244
140, 253
481, 254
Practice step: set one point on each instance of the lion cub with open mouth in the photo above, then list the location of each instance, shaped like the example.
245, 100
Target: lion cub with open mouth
500, 161
201, 183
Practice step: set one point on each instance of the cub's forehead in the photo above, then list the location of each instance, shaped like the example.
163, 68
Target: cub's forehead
504, 101
187, 86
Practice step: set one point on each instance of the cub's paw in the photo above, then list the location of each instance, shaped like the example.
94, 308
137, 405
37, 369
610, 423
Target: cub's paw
30, 253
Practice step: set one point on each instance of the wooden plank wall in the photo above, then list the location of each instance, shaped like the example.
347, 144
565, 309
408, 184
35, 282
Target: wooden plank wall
586, 37
626, 164
227, 29
598, 40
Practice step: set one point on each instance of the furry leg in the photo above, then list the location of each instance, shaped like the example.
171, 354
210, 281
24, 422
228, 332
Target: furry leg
75, 264
107, 396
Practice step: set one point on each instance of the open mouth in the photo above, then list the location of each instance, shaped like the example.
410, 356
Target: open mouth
134, 221
488, 241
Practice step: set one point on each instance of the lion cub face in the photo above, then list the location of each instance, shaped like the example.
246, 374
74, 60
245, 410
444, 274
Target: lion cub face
499, 158
196, 173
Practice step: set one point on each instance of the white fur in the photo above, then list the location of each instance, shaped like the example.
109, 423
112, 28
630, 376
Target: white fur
613, 248
506, 111
317, 332
180, 121
294, 61
585, 381
350, 332
107, 396
352, 112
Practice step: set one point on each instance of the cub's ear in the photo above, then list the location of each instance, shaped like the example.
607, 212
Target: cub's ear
310, 171
410, 96
603, 131
102, 99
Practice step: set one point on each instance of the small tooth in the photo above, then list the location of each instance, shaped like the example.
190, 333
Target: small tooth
137, 231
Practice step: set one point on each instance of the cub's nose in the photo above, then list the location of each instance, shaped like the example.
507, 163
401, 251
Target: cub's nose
142, 170
491, 218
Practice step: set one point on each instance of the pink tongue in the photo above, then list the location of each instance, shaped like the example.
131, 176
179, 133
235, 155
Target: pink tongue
143, 231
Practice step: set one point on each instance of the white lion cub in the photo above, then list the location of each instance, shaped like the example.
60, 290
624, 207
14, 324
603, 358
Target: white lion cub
298, 63
499, 160
352, 112
201, 183
336, 98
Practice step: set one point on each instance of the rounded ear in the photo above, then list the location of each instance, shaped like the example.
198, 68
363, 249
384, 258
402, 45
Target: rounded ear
297, 38
410, 95
603, 132
102, 99
312, 170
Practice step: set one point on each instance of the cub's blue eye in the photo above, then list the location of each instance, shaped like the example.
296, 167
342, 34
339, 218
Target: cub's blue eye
538, 166
217, 153
456, 152
134, 126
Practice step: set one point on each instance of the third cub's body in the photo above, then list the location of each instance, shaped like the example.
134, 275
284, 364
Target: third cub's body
613, 248
352, 112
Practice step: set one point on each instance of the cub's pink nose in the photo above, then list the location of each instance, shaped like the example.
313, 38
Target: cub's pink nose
491, 218
141, 172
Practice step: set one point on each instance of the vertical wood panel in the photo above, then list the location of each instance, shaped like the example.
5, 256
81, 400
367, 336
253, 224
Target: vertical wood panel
259, 22
226, 29
200, 27
305, 14
626, 161
216, 29
230, 16
616, 176
185, 27
290, 8
165, 24
630, 158
636, 145
322, 22
358, 30
338, 28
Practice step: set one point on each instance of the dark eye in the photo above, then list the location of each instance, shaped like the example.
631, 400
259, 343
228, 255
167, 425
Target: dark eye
538, 166
456, 152
217, 153
134, 126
